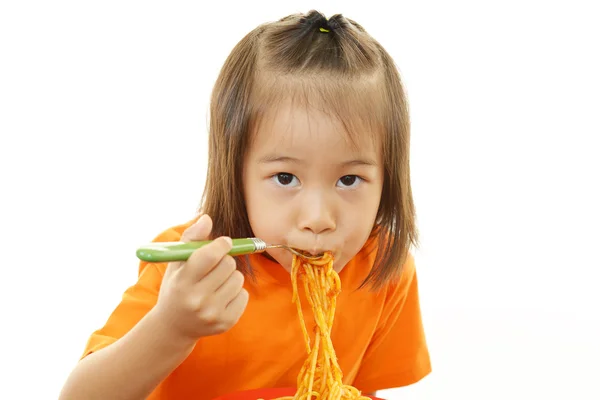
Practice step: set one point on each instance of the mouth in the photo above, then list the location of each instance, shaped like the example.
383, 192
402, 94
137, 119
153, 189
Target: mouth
315, 255
307, 254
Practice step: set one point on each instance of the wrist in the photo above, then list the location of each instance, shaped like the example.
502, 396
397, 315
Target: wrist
168, 338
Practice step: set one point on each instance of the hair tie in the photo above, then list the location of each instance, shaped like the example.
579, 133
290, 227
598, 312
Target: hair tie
330, 24
315, 19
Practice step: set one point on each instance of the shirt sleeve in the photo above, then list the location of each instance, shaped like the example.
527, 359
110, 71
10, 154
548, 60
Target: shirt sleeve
398, 354
137, 300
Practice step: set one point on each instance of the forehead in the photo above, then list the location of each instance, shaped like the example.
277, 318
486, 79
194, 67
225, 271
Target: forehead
313, 133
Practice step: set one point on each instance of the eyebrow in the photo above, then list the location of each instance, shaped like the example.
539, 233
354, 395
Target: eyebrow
272, 158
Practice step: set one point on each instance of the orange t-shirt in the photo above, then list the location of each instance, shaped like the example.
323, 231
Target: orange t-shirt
378, 336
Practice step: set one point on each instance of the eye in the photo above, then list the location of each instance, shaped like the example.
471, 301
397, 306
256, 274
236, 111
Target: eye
349, 181
284, 179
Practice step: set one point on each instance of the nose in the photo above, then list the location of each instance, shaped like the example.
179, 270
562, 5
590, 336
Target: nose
316, 214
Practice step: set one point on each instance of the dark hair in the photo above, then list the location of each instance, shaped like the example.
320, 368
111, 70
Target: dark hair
332, 64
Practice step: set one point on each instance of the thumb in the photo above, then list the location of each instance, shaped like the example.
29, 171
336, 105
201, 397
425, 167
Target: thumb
199, 231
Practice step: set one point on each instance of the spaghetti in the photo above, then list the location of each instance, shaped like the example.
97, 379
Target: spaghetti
320, 377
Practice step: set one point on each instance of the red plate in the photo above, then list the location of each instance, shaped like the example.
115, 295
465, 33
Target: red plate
265, 394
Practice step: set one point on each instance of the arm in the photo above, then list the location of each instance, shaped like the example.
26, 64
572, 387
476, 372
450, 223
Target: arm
131, 367
159, 320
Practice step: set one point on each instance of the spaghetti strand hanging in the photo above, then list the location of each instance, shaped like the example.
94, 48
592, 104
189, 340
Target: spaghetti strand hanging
320, 377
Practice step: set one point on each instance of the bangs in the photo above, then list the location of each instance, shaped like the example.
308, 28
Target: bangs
358, 103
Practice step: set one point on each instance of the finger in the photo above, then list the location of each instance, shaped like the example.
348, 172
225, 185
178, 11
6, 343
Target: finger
236, 307
198, 231
214, 279
206, 258
230, 288
171, 268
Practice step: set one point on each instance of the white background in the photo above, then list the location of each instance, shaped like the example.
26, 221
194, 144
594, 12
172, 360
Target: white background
103, 145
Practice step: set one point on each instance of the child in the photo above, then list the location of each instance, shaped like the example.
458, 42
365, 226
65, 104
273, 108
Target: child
309, 147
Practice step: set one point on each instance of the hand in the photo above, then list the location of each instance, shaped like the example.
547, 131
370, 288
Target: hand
204, 295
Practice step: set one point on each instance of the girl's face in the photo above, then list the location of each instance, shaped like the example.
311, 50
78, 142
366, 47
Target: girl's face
308, 187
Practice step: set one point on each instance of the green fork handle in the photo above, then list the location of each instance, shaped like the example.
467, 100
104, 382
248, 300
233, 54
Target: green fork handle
181, 251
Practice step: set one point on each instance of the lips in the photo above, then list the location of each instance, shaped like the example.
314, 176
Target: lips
318, 251
313, 245
313, 251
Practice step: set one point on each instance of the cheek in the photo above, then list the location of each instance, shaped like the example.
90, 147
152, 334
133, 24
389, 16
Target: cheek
265, 213
359, 223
